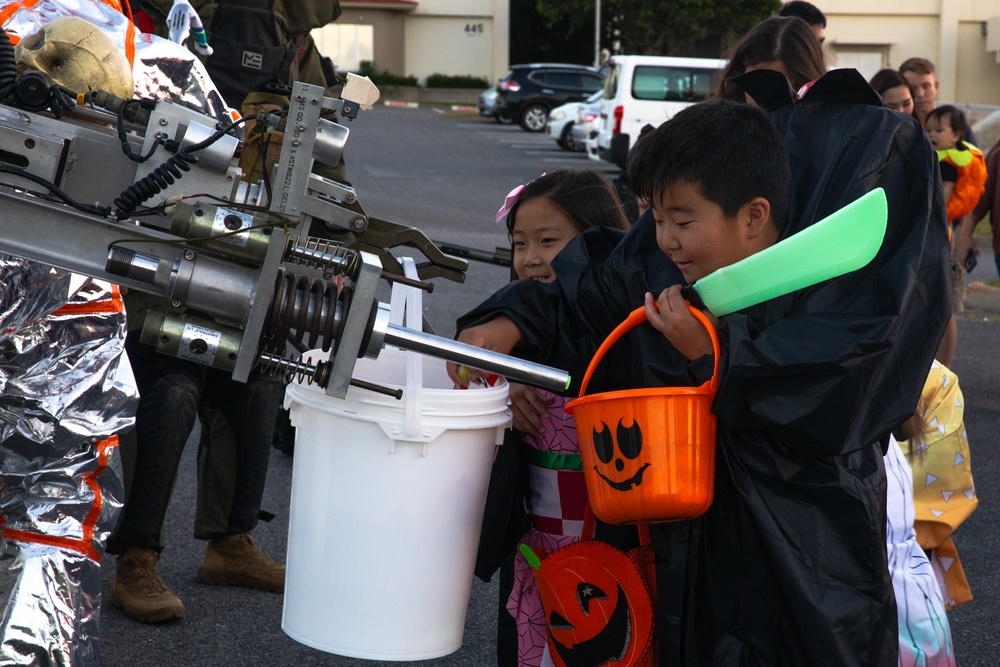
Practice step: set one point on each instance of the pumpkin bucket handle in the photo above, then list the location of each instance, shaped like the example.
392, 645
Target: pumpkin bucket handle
637, 317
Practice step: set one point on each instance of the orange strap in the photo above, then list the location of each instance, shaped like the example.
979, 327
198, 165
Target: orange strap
12, 8
84, 546
113, 305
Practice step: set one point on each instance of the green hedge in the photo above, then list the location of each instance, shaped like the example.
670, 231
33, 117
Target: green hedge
367, 68
461, 81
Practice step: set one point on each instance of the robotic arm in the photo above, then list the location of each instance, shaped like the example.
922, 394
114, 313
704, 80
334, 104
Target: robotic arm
148, 195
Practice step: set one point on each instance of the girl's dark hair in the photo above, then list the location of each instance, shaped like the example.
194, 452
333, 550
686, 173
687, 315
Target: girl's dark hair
886, 79
955, 118
586, 196
788, 40
730, 150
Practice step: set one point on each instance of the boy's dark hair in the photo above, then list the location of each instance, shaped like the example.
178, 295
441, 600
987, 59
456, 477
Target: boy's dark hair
731, 151
789, 41
806, 11
586, 196
956, 118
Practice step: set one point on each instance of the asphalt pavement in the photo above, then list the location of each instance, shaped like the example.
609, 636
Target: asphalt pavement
447, 173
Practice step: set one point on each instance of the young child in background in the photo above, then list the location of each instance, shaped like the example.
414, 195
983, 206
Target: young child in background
963, 176
963, 167
542, 217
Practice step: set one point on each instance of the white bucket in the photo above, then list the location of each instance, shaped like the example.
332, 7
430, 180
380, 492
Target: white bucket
386, 508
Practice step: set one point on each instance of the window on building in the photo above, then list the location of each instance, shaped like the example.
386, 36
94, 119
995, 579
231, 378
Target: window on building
347, 44
866, 61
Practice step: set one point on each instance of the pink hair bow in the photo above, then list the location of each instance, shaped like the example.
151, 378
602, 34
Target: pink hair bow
511, 199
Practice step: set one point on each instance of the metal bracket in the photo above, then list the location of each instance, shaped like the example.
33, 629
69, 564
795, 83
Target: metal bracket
382, 235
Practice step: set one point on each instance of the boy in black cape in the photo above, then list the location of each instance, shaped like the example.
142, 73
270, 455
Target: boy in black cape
788, 566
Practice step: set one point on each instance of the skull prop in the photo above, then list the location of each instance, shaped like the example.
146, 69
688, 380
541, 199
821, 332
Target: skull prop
76, 54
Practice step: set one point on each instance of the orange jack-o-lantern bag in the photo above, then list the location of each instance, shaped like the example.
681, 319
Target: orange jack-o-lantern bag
598, 605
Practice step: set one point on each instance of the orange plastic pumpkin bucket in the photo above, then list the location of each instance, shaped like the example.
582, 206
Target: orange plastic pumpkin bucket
648, 454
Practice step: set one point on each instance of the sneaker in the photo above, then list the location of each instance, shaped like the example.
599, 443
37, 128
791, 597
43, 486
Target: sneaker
234, 560
139, 590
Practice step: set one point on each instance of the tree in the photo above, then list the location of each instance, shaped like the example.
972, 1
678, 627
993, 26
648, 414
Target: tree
531, 40
659, 27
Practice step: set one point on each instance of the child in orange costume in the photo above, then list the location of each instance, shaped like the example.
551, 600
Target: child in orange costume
963, 167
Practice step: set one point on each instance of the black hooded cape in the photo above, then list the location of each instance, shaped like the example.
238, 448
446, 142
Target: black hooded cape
788, 566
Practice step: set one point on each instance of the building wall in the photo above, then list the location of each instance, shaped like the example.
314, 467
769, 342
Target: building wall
455, 7
437, 37
459, 45
459, 38
948, 32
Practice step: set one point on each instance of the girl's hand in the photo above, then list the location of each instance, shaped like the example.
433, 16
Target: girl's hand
679, 326
499, 335
528, 408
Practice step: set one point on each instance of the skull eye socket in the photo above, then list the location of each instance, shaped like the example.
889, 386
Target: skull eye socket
630, 439
603, 444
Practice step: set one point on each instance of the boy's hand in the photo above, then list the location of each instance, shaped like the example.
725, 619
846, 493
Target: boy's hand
499, 335
528, 408
679, 326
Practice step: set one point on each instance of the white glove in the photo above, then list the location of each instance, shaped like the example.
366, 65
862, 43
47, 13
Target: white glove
184, 22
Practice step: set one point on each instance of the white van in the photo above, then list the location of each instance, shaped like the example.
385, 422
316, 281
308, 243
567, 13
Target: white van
641, 90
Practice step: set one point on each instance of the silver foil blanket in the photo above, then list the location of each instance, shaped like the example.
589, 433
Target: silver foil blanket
66, 391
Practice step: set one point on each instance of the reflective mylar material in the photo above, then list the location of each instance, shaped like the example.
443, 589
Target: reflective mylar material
66, 390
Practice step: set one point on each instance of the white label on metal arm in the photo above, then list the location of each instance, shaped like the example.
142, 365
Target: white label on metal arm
199, 344
219, 226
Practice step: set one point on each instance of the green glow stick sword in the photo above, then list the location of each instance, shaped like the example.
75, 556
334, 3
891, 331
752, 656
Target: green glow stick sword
842, 242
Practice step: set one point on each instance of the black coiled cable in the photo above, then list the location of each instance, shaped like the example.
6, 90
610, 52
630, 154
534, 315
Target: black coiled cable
166, 174
155, 182
8, 69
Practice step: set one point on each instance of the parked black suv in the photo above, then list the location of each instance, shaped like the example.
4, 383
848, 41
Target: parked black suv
528, 92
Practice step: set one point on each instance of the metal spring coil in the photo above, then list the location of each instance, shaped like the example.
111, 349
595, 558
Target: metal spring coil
325, 254
305, 306
273, 364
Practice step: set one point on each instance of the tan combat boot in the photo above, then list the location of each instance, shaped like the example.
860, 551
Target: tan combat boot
139, 590
234, 560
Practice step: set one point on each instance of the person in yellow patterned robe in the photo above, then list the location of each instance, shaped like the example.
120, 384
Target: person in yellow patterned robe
943, 491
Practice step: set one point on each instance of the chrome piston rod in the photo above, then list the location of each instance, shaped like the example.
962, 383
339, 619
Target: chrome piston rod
525, 372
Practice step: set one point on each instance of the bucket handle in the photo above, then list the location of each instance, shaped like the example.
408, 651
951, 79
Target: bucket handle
638, 316
407, 302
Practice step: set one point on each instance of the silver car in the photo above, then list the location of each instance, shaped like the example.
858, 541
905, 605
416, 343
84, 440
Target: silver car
588, 118
487, 105
563, 122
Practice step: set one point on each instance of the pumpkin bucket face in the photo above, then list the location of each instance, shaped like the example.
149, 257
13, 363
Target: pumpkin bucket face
597, 606
648, 454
